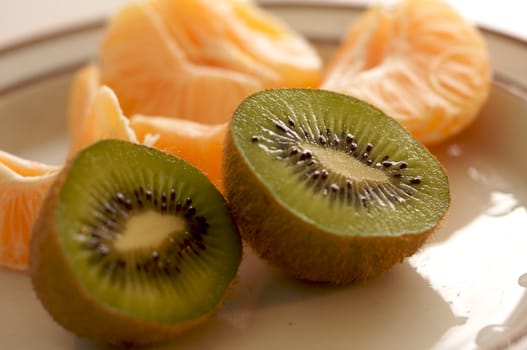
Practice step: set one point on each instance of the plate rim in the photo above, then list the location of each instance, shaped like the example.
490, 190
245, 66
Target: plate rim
94, 23
506, 82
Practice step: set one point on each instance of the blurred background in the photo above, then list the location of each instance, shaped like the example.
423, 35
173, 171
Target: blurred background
23, 19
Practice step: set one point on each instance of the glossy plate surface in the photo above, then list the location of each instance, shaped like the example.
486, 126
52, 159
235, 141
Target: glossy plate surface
466, 289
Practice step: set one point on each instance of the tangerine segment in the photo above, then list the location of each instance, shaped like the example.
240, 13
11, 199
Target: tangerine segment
23, 185
85, 85
238, 35
104, 120
199, 144
197, 60
420, 62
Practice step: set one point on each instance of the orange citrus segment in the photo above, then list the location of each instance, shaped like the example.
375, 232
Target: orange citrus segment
104, 120
199, 144
23, 185
420, 62
238, 35
198, 59
85, 85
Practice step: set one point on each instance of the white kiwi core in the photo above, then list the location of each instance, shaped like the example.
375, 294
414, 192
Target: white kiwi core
341, 163
148, 229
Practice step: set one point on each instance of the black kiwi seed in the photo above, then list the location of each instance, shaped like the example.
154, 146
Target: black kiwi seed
415, 180
306, 155
155, 255
148, 195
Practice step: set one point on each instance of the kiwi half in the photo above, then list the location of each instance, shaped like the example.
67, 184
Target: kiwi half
132, 246
328, 187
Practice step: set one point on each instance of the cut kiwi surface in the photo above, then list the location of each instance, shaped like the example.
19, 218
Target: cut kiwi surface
132, 246
328, 187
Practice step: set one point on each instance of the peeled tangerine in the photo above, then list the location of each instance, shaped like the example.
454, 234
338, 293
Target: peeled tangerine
420, 62
198, 59
95, 113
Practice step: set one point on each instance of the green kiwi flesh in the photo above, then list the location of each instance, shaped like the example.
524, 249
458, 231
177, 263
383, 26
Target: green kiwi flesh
132, 246
328, 187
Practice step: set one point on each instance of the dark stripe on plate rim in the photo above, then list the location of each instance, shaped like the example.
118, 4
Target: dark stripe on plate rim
511, 86
42, 77
52, 35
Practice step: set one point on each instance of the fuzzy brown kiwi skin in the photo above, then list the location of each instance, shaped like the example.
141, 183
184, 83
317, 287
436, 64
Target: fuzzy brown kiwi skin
70, 306
319, 256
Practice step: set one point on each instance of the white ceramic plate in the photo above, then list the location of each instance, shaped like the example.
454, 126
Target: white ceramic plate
466, 289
